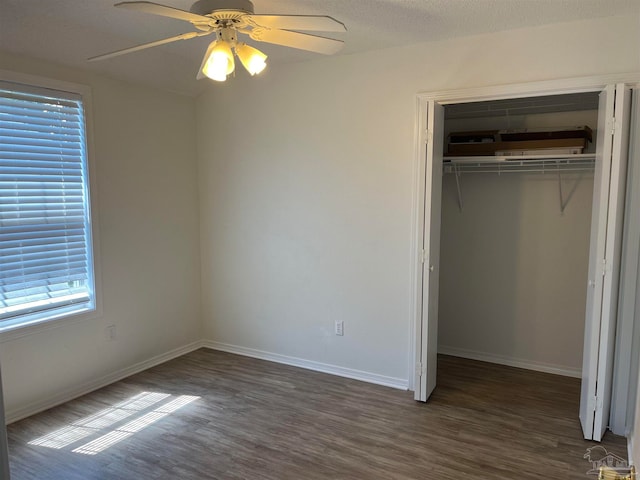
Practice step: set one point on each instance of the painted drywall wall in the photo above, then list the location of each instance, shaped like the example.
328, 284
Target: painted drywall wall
627, 347
144, 152
633, 414
4, 448
306, 177
514, 269
631, 326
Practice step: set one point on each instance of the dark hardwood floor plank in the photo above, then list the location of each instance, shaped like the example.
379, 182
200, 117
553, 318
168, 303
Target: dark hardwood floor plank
261, 420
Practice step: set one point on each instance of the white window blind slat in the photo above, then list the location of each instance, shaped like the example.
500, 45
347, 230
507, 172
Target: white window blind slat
38, 103
20, 108
60, 149
18, 157
39, 170
27, 130
45, 235
9, 139
38, 163
35, 193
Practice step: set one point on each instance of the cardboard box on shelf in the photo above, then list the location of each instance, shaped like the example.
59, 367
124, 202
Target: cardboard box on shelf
489, 142
470, 149
523, 134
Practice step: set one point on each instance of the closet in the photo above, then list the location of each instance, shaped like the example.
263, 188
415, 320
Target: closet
515, 232
519, 242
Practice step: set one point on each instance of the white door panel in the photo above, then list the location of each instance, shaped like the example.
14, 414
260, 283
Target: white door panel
604, 260
604, 141
427, 367
612, 254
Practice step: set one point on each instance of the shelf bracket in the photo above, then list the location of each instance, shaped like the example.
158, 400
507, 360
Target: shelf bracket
457, 173
562, 202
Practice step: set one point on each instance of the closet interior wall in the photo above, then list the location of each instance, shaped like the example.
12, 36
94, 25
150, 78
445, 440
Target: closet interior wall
513, 267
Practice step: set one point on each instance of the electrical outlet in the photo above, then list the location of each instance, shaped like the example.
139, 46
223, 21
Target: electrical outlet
339, 328
110, 332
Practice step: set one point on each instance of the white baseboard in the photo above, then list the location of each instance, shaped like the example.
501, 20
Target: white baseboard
509, 361
87, 387
399, 383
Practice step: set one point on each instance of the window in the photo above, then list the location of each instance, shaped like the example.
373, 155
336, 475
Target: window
46, 261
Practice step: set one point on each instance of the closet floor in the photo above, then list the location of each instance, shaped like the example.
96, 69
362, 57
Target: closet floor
214, 415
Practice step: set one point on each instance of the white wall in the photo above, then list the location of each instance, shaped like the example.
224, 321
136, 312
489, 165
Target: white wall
306, 177
631, 326
148, 233
514, 269
633, 416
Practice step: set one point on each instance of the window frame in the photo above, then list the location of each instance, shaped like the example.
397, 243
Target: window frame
60, 317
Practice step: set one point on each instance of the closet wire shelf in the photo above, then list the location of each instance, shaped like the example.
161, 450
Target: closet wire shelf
584, 162
551, 164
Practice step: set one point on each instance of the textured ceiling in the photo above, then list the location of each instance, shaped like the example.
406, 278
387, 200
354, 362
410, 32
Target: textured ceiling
69, 31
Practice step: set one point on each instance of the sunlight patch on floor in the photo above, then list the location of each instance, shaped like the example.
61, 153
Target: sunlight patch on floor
105, 419
134, 426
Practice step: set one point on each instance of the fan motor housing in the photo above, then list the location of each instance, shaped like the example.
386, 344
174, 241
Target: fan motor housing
209, 7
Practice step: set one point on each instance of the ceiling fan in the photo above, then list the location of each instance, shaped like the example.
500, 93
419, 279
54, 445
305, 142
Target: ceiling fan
226, 19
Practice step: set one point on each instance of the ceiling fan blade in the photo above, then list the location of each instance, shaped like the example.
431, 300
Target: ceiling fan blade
303, 41
314, 23
163, 10
184, 36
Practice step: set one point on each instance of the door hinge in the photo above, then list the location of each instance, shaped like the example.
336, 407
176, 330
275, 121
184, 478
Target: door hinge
596, 403
604, 267
422, 256
613, 125
419, 369
428, 136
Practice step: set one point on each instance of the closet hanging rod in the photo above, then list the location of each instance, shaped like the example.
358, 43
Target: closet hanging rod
520, 158
494, 170
547, 164
520, 164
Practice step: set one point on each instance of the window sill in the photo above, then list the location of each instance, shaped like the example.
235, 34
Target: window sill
37, 326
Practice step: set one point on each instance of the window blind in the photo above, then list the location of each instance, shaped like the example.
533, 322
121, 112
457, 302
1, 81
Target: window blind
45, 234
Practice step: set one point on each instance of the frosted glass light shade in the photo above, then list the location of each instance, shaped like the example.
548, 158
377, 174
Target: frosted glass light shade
220, 62
252, 58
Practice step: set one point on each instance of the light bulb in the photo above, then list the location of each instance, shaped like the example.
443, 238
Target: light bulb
220, 62
216, 67
252, 59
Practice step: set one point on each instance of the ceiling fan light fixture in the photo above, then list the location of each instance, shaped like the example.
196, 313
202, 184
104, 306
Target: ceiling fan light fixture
252, 59
228, 18
219, 61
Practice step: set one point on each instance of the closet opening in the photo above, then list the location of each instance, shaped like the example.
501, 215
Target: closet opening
519, 234
517, 194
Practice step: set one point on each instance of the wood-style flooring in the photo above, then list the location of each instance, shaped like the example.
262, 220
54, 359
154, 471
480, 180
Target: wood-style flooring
214, 415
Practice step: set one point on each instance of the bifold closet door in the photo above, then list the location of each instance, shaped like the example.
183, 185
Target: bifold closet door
604, 259
427, 348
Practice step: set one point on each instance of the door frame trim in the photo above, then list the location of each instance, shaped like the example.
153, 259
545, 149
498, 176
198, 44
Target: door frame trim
447, 97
